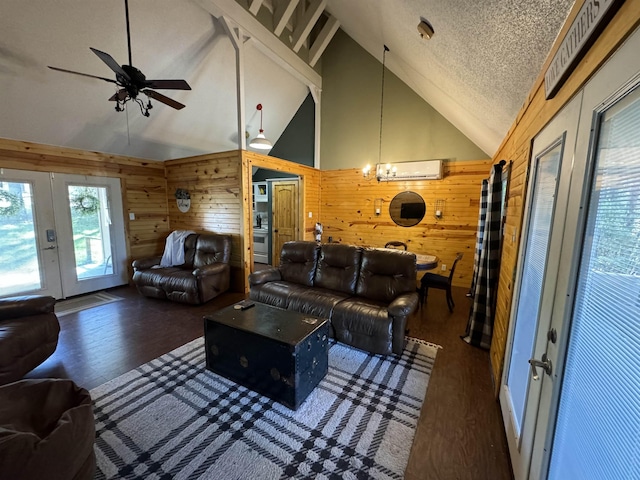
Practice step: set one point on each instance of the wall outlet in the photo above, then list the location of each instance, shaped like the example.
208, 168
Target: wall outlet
443, 267
132, 216
310, 214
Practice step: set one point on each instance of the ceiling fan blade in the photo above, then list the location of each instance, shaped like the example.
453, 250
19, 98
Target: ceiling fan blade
111, 63
162, 99
168, 84
120, 95
83, 74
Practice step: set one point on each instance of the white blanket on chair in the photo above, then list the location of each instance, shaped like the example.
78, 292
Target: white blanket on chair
174, 248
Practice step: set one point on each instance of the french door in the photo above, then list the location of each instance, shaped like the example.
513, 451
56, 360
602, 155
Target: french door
60, 235
548, 192
582, 414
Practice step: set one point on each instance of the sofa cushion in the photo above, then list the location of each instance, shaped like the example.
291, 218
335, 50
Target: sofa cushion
275, 293
212, 249
298, 262
385, 274
190, 250
318, 302
338, 268
25, 343
363, 323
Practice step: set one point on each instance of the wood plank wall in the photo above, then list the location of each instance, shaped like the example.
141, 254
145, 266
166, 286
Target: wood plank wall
348, 212
143, 185
516, 146
214, 183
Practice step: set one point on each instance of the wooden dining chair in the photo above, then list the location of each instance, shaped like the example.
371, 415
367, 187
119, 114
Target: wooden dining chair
395, 244
433, 280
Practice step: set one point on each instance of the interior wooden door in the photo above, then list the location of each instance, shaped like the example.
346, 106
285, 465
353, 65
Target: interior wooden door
285, 215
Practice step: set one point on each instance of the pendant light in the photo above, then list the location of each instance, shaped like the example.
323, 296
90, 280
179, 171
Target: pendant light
389, 169
261, 142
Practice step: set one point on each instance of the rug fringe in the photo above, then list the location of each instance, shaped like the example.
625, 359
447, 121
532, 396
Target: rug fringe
424, 342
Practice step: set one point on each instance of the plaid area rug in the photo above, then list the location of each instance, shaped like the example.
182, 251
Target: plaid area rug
173, 419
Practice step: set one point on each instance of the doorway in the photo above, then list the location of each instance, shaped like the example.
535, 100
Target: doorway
583, 409
62, 235
275, 210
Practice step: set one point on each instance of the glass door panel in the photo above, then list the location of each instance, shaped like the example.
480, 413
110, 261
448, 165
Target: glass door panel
90, 223
19, 265
547, 167
28, 239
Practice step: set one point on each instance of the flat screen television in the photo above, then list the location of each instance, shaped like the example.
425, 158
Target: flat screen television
412, 210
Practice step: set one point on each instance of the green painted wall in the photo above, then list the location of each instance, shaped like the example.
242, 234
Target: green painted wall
296, 142
412, 129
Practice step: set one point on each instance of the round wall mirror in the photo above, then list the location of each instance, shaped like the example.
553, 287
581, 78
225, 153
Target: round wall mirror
407, 209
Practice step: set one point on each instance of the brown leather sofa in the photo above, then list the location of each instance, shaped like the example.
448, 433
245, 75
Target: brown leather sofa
29, 332
366, 293
204, 275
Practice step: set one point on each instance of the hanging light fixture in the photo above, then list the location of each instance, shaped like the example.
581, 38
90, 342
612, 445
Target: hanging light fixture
260, 142
388, 170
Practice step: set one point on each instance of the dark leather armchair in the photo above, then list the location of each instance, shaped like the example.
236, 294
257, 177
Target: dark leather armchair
204, 275
29, 332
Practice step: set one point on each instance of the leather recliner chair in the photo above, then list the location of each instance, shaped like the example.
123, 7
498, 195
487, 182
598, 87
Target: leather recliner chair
205, 274
29, 332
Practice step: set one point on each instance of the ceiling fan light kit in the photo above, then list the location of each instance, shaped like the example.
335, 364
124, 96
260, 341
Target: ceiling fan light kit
261, 142
132, 82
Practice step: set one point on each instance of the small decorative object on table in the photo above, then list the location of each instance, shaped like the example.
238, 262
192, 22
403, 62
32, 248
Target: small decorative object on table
244, 304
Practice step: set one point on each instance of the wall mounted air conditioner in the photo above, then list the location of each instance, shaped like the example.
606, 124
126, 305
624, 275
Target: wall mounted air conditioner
418, 170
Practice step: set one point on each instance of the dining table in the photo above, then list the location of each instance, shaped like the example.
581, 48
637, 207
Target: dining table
425, 261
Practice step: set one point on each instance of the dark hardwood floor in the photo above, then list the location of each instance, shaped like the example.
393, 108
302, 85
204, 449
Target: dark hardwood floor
460, 433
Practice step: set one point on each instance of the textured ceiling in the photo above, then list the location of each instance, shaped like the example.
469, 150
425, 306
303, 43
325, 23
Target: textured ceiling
476, 71
478, 67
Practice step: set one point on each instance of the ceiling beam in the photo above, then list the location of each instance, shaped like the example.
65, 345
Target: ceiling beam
255, 6
309, 19
282, 15
322, 41
264, 39
236, 36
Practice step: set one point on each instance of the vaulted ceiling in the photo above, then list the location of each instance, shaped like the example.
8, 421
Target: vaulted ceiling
476, 70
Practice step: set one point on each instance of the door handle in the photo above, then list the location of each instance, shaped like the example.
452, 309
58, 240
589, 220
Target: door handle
51, 247
545, 364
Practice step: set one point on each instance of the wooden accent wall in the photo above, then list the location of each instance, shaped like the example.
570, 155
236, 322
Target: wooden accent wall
516, 146
220, 185
348, 212
143, 185
217, 201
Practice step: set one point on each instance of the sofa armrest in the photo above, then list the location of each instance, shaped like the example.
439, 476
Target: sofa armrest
264, 276
24, 306
403, 305
211, 269
146, 263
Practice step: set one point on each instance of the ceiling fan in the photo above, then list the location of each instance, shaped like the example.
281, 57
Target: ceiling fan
132, 81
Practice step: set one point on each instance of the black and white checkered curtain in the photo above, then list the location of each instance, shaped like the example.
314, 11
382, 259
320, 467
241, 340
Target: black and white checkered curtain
487, 261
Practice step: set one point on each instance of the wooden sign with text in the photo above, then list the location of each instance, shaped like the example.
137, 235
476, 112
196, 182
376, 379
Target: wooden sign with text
591, 20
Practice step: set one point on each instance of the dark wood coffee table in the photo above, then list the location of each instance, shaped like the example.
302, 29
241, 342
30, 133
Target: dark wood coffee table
278, 353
